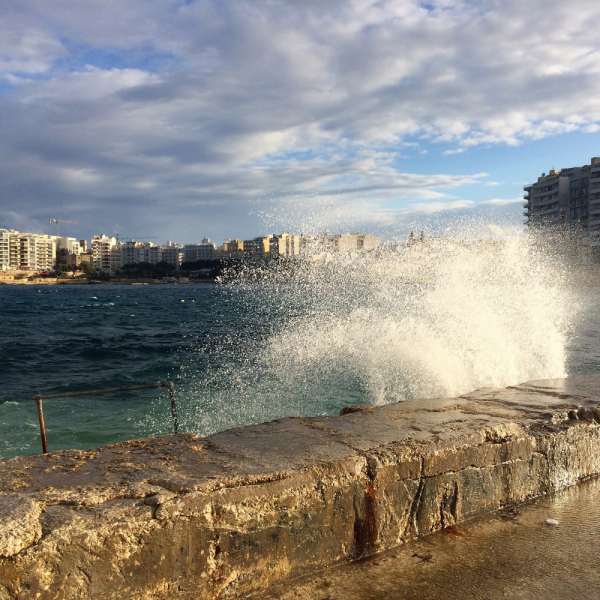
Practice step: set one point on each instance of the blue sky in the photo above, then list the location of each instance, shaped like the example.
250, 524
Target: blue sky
208, 118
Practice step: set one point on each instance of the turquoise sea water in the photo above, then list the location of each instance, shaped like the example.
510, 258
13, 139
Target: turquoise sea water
203, 337
229, 349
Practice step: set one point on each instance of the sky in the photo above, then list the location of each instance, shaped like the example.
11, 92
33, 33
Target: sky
167, 119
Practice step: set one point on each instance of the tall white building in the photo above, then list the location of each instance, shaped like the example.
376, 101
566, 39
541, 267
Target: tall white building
133, 253
172, 254
31, 251
570, 196
101, 251
4, 249
67, 244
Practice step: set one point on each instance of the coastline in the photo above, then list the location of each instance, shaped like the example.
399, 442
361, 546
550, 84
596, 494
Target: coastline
92, 282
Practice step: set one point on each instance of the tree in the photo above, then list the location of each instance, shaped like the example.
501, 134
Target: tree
88, 267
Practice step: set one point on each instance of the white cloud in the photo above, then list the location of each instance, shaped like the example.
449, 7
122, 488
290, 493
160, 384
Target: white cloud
456, 151
503, 201
434, 207
173, 105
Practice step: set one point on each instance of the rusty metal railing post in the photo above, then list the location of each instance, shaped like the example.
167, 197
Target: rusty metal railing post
165, 384
169, 384
38, 400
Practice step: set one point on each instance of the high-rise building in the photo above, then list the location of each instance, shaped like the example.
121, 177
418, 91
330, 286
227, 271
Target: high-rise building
4, 250
568, 196
101, 251
31, 251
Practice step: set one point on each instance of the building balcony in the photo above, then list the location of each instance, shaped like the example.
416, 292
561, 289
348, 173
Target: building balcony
527, 187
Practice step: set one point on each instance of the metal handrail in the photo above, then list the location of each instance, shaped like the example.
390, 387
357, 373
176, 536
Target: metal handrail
167, 384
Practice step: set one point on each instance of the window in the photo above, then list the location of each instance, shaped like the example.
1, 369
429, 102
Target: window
584, 191
573, 202
585, 180
573, 213
573, 193
574, 183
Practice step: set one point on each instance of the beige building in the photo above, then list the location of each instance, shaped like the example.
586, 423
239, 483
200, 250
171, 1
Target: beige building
284, 244
258, 248
354, 242
312, 245
231, 249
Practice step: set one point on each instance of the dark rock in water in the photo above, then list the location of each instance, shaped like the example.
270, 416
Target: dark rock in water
230, 514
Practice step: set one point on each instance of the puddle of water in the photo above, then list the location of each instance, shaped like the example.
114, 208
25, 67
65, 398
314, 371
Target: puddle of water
511, 554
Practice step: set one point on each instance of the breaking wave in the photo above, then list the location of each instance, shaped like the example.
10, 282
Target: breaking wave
438, 318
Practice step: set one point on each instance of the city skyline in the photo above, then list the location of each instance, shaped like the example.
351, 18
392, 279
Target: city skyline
201, 119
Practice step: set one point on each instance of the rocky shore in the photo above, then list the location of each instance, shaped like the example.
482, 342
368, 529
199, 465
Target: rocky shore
228, 515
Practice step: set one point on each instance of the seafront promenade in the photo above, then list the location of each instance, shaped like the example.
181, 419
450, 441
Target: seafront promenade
237, 512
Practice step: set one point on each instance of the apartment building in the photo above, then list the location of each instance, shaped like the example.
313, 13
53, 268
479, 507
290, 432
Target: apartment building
345, 242
4, 249
195, 252
230, 249
67, 249
570, 196
101, 251
172, 254
31, 251
284, 244
132, 252
258, 248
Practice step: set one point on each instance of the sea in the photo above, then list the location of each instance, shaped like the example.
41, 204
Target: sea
251, 352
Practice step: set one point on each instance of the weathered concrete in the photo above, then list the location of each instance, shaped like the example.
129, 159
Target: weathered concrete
224, 516
509, 555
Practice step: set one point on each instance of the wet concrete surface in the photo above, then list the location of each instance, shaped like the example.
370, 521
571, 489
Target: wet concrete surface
510, 554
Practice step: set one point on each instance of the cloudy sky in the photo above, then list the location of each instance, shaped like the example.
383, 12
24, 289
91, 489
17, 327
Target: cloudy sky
180, 119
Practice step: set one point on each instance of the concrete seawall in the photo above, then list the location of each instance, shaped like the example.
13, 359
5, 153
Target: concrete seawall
228, 515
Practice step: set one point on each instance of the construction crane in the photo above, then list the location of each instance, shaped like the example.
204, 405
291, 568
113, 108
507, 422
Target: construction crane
57, 221
131, 237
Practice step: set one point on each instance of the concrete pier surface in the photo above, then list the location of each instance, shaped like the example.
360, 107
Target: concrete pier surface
238, 512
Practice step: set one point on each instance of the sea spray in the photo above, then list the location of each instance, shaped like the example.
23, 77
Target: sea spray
439, 317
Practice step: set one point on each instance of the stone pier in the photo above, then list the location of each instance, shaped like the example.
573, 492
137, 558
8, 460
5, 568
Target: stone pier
228, 515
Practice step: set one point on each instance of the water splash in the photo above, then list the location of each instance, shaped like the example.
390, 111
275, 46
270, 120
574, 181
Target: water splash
438, 318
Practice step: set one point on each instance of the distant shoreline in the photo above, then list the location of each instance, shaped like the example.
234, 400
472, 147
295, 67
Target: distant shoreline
92, 282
